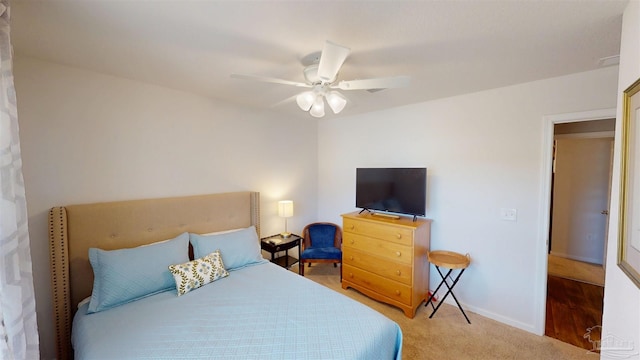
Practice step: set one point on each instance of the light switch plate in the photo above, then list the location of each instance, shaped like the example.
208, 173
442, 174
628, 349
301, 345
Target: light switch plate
509, 214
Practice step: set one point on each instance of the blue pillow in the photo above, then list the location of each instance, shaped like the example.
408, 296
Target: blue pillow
125, 275
238, 249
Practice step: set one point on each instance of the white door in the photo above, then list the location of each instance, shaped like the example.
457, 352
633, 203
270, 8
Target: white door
581, 198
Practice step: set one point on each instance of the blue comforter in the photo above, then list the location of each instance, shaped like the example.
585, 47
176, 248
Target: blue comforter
257, 312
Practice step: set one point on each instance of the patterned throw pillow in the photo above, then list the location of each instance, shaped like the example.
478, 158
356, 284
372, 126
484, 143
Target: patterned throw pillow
199, 272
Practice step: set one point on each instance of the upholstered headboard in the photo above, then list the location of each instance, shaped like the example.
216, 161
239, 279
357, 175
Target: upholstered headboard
114, 225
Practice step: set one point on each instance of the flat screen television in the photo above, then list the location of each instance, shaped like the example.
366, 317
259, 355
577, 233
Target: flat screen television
395, 190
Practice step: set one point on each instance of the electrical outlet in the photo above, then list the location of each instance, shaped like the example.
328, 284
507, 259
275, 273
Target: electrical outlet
509, 214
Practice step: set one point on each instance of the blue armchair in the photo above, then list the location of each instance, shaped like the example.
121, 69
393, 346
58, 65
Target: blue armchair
322, 243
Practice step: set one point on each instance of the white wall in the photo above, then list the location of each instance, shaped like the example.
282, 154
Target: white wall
621, 316
87, 137
483, 152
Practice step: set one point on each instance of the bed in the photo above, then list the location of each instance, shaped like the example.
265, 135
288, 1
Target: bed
258, 310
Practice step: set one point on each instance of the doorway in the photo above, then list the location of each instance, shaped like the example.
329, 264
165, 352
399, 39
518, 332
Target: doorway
580, 194
590, 118
580, 188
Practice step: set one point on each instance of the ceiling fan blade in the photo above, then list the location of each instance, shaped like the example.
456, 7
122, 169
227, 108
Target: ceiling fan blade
332, 58
290, 99
377, 83
269, 80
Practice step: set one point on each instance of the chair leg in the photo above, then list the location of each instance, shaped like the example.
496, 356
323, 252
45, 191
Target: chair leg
309, 264
335, 264
301, 268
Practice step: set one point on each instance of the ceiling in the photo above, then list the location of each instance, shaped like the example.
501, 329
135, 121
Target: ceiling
447, 47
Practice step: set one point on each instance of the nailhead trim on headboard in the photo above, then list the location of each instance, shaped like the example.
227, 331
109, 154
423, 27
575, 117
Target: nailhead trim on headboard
255, 207
59, 256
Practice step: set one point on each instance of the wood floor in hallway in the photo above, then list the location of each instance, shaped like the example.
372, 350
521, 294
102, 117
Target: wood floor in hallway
574, 311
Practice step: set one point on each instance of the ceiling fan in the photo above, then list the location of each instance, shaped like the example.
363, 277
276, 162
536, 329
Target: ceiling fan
321, 72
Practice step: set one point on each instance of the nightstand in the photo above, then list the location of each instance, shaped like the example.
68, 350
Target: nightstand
276, 243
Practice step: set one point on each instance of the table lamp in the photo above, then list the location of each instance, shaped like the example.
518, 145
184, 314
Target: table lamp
285, 210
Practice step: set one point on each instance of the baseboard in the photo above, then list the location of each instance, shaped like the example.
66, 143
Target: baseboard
578, 258
493, 316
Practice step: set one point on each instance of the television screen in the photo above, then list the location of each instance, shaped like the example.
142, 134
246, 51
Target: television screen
397, 190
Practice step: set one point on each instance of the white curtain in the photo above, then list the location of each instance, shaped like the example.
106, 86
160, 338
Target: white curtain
18, 328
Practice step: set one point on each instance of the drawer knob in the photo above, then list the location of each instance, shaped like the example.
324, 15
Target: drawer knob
350, 275
398, 292
350, 257
399, 236
398, 253
352, 241
352, 227
398, 272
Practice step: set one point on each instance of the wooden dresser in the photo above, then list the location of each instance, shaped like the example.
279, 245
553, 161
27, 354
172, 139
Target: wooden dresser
386, 259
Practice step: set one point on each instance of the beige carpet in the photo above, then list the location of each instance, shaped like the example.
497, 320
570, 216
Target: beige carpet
448, 336
575, 270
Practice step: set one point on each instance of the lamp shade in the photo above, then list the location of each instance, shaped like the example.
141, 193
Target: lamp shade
285, 208
305, 100
336, 101
317, 110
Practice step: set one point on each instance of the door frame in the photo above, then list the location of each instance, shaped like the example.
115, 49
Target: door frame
545, 201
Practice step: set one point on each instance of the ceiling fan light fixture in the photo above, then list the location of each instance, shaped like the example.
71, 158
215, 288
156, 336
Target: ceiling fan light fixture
317, 109
336, 101
305, 100
321, 70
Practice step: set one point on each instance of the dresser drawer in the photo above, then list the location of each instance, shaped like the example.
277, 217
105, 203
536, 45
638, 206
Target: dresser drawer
389, 269
385, 249
389, 288
385, 232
